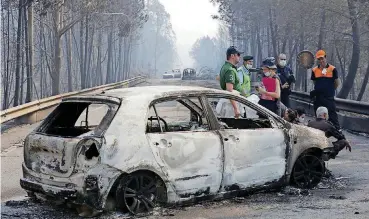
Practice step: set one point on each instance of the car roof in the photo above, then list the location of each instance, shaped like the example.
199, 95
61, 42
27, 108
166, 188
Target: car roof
155, 91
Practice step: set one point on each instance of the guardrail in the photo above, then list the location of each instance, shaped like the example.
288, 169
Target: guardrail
341, 104
47, 103
356, 123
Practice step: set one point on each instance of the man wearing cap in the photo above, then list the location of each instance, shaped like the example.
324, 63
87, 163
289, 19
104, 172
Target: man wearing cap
228, 76
325, 78
244, 75
329, 129
286, 77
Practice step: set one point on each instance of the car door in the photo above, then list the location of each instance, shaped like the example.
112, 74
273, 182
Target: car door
254, 148
189, 153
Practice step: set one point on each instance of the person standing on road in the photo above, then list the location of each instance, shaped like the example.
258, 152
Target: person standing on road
322, 123
286, 77
270, 90
325, 78
244, 75
228, 76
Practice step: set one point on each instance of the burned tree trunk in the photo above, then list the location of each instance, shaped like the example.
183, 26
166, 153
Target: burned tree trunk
108, 68
350, 78
363, 86
7, 75
322, 28
27, 54
68, 41
99, 75
18, 58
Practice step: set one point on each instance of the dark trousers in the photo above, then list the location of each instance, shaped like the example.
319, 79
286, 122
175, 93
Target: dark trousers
330, 104
285, 97
270, 105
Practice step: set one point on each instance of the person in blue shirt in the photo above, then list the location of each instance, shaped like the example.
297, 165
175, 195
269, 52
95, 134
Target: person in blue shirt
286, 77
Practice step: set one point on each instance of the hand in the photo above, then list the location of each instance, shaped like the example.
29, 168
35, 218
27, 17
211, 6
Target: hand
348, 147
286, 85
237, 113
261, 90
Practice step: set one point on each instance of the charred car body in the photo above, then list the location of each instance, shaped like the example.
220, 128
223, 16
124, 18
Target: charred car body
165, 145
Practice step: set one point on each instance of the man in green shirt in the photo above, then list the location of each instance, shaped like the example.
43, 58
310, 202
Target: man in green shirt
228, 75
244, 75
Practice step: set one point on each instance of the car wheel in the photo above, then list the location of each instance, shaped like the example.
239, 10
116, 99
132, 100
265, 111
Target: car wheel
308, 171
140, 193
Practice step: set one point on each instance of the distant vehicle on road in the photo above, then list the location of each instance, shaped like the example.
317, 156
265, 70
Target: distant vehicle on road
146, 146
177, 73
189, 74
168, 75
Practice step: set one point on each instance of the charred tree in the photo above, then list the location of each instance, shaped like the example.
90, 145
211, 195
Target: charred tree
355, 57
18, 56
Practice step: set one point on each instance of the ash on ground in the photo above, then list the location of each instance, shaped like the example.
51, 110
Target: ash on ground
36, 209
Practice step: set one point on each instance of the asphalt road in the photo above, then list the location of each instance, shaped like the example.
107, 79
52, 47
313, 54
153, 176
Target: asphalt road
344, 195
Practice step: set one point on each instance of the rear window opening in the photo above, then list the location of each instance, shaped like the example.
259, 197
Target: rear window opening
71, 119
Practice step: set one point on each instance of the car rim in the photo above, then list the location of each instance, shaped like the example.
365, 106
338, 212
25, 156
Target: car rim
308, 171
140, 194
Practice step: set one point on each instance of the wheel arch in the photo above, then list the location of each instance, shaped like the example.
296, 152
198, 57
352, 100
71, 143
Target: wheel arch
318, 152
313, 150
111, 195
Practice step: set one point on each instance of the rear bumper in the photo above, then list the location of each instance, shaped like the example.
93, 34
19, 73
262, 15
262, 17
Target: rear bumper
53, 191
90, 188
62, 188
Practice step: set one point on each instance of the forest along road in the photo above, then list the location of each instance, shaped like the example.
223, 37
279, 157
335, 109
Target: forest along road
344, 195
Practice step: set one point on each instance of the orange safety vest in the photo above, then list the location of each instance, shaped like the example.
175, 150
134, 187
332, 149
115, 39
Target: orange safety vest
318, 73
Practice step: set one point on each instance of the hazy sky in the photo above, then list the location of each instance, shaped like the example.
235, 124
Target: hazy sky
190, 19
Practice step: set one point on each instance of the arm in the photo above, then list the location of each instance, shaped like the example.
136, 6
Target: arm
234, 104
336, 79
291, 77
337, 83
333, 131
312, 77
230, 80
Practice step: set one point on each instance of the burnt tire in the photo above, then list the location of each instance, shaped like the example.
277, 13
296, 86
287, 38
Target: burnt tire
140, 193
307, 171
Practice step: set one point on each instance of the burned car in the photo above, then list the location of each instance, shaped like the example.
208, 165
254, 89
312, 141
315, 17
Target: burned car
165, 145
